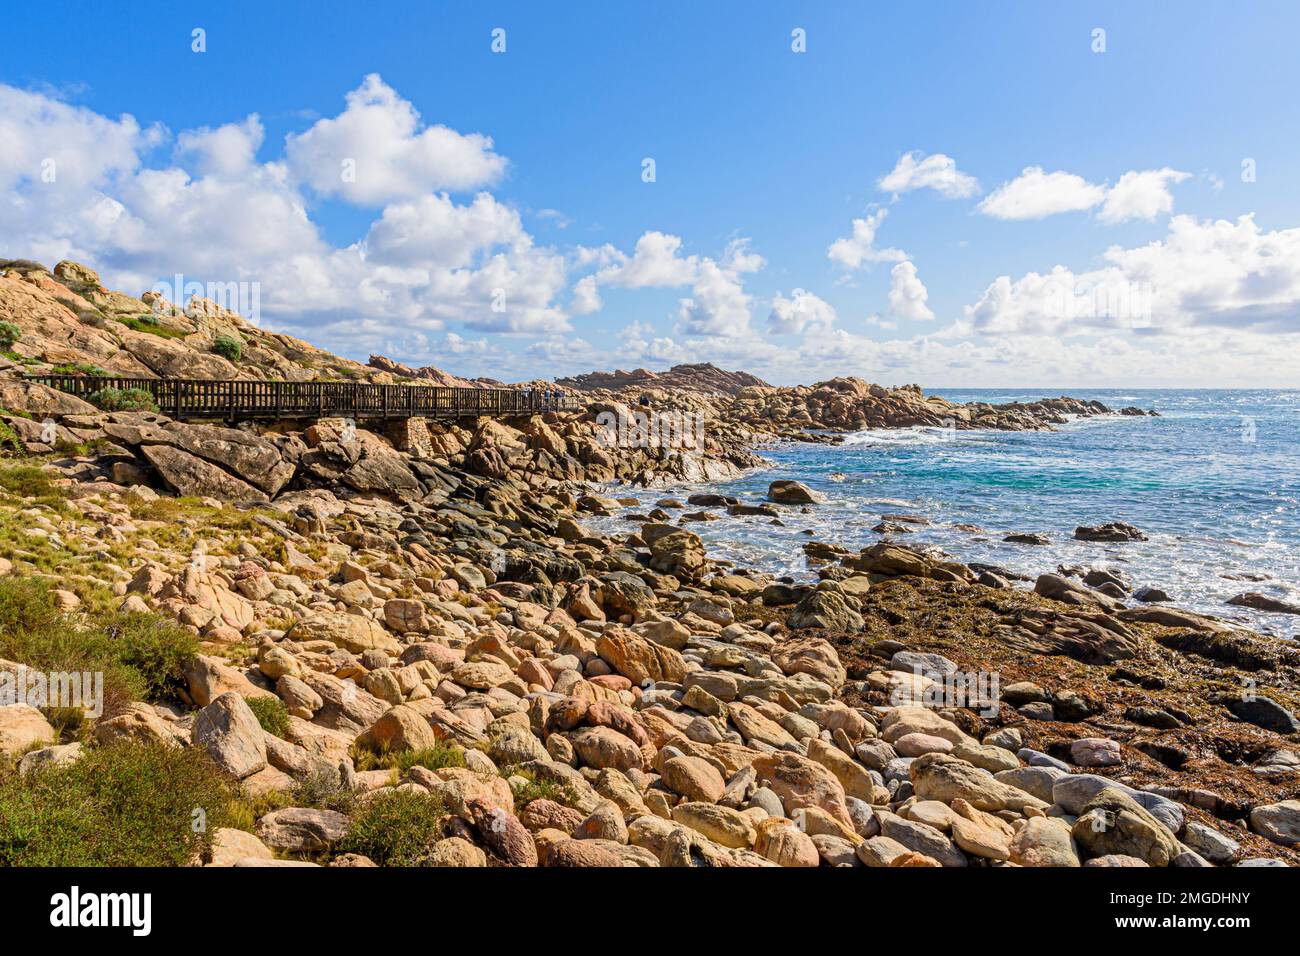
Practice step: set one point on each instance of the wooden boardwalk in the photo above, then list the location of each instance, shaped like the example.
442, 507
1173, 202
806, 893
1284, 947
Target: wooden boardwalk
236, 400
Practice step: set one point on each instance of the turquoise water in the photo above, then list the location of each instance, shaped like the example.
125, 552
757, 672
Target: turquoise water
1214, 481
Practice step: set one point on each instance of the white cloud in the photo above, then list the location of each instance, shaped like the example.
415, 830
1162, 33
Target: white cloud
936, 171
1141, 195
857, 250
1035, 194
225, 151
718, 304
87, 150
586, 297
393, 157
218, 214
907, 294
434, 228
1210, 303
802, 312
1230, 275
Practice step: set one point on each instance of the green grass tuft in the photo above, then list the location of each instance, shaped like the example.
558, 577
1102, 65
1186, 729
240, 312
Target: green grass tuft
431, 758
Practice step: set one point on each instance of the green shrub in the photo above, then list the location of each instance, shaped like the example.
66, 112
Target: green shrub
271, 714
229, 348
153, 325
9, 438
142, 656
9, 334
123, 400
27, 481
126, 804
323, 789
80, 368
395, 828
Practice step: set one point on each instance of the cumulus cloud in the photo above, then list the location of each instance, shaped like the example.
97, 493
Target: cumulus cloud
218, 214
228, 150
936, 171
718, 305
434, 228
802, 312
1035, 194
859, 249
907, 294
1211, 273
376, 151
1141, 195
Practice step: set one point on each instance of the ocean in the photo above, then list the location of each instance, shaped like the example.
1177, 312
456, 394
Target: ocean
1214, 482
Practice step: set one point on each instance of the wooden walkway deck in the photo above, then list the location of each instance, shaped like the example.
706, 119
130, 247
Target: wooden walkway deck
235, 400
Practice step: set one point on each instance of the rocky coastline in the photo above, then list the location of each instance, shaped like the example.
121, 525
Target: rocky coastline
417, 633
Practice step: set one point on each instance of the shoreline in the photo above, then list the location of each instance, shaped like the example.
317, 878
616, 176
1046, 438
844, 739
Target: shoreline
900, 533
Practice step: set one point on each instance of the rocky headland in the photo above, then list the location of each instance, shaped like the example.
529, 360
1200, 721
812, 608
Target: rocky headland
409, 648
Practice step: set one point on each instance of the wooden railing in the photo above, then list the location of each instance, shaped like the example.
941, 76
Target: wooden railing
235, 400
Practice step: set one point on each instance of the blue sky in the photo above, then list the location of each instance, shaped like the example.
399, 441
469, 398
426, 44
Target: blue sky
763, 157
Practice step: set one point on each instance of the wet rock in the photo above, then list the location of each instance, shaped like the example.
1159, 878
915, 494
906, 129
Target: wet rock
1028, 538
1262, 602
793, 493
1264, 712
1111, 531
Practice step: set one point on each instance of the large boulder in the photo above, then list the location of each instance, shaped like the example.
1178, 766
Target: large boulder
302, 830
21, 728
793, 493
1279, 822
638, 659
190, 475
937, 776
251, 458
401, 728
802, 783
680, 553
349, 631
825, 609
1112, 822
1044, 841
40, 401
228, 730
